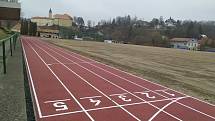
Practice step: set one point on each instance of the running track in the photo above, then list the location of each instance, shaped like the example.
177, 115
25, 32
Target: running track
66, 86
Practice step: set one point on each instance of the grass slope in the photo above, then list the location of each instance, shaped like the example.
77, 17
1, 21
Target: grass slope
190, 72
3, 34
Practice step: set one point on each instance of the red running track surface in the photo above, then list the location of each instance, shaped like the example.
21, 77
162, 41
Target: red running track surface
66, 86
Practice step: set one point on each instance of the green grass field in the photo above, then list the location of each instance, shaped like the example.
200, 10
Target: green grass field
190, 72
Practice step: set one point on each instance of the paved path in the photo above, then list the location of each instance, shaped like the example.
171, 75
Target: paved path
12, 95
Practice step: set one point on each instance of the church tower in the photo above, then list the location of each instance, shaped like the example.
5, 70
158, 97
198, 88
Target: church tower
50, 13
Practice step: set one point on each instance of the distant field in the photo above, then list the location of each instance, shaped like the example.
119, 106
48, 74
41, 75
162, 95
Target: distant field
187, 71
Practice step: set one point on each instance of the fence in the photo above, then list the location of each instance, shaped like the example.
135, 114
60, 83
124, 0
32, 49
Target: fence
7, 46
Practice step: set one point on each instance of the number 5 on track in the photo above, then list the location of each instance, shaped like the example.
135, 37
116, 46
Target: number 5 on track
60, 106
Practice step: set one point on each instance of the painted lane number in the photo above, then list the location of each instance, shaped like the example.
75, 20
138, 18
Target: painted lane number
123, 97
97, 102
147, 95
60, 106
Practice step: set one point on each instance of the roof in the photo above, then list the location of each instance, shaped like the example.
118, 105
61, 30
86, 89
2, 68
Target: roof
38, 17
180, 39
63, 16
48, 29
50, 10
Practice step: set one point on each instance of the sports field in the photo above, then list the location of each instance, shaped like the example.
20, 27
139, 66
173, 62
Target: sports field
68, 86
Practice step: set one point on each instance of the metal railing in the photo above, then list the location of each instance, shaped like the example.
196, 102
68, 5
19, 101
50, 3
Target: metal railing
7, 46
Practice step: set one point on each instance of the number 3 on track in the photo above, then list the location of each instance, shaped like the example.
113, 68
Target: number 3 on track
60, 106
123, 97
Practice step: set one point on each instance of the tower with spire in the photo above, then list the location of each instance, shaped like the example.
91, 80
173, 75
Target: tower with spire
50, 13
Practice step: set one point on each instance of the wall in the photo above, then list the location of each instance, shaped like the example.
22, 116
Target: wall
179, 45
63, 22
43, 22
10, 10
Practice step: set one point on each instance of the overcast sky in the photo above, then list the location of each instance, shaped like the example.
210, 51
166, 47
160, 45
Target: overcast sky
105, 9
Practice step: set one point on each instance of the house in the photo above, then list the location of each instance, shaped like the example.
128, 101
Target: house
77, 38
49, 27
48, 31
63, 20
170, 22
108, 41
185, 43
141, 23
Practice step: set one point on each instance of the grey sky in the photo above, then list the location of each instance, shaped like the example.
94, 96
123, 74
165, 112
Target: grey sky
105, 9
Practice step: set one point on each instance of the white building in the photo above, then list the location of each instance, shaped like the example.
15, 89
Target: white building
77, 38
185, 43
63, 20
108, 41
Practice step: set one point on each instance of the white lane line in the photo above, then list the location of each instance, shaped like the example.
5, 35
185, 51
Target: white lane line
90, 97
63, 84
142, 92
161, 90
90, 84
114, 84
162, 109
118, 94
50, 64
110, 107
196, 110
53, 101
32, 83
60, 114
145, 87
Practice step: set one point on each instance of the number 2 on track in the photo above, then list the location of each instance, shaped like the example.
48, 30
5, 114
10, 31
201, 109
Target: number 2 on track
97, 102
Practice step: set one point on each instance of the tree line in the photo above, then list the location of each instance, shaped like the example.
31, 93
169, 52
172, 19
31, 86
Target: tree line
156, 32
28, 27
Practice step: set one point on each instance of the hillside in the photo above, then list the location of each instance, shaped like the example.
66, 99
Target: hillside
186, 71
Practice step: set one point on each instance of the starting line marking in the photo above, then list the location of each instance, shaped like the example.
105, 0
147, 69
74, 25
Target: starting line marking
57, 101
118, 94
50, 64
109, 107
89, 97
